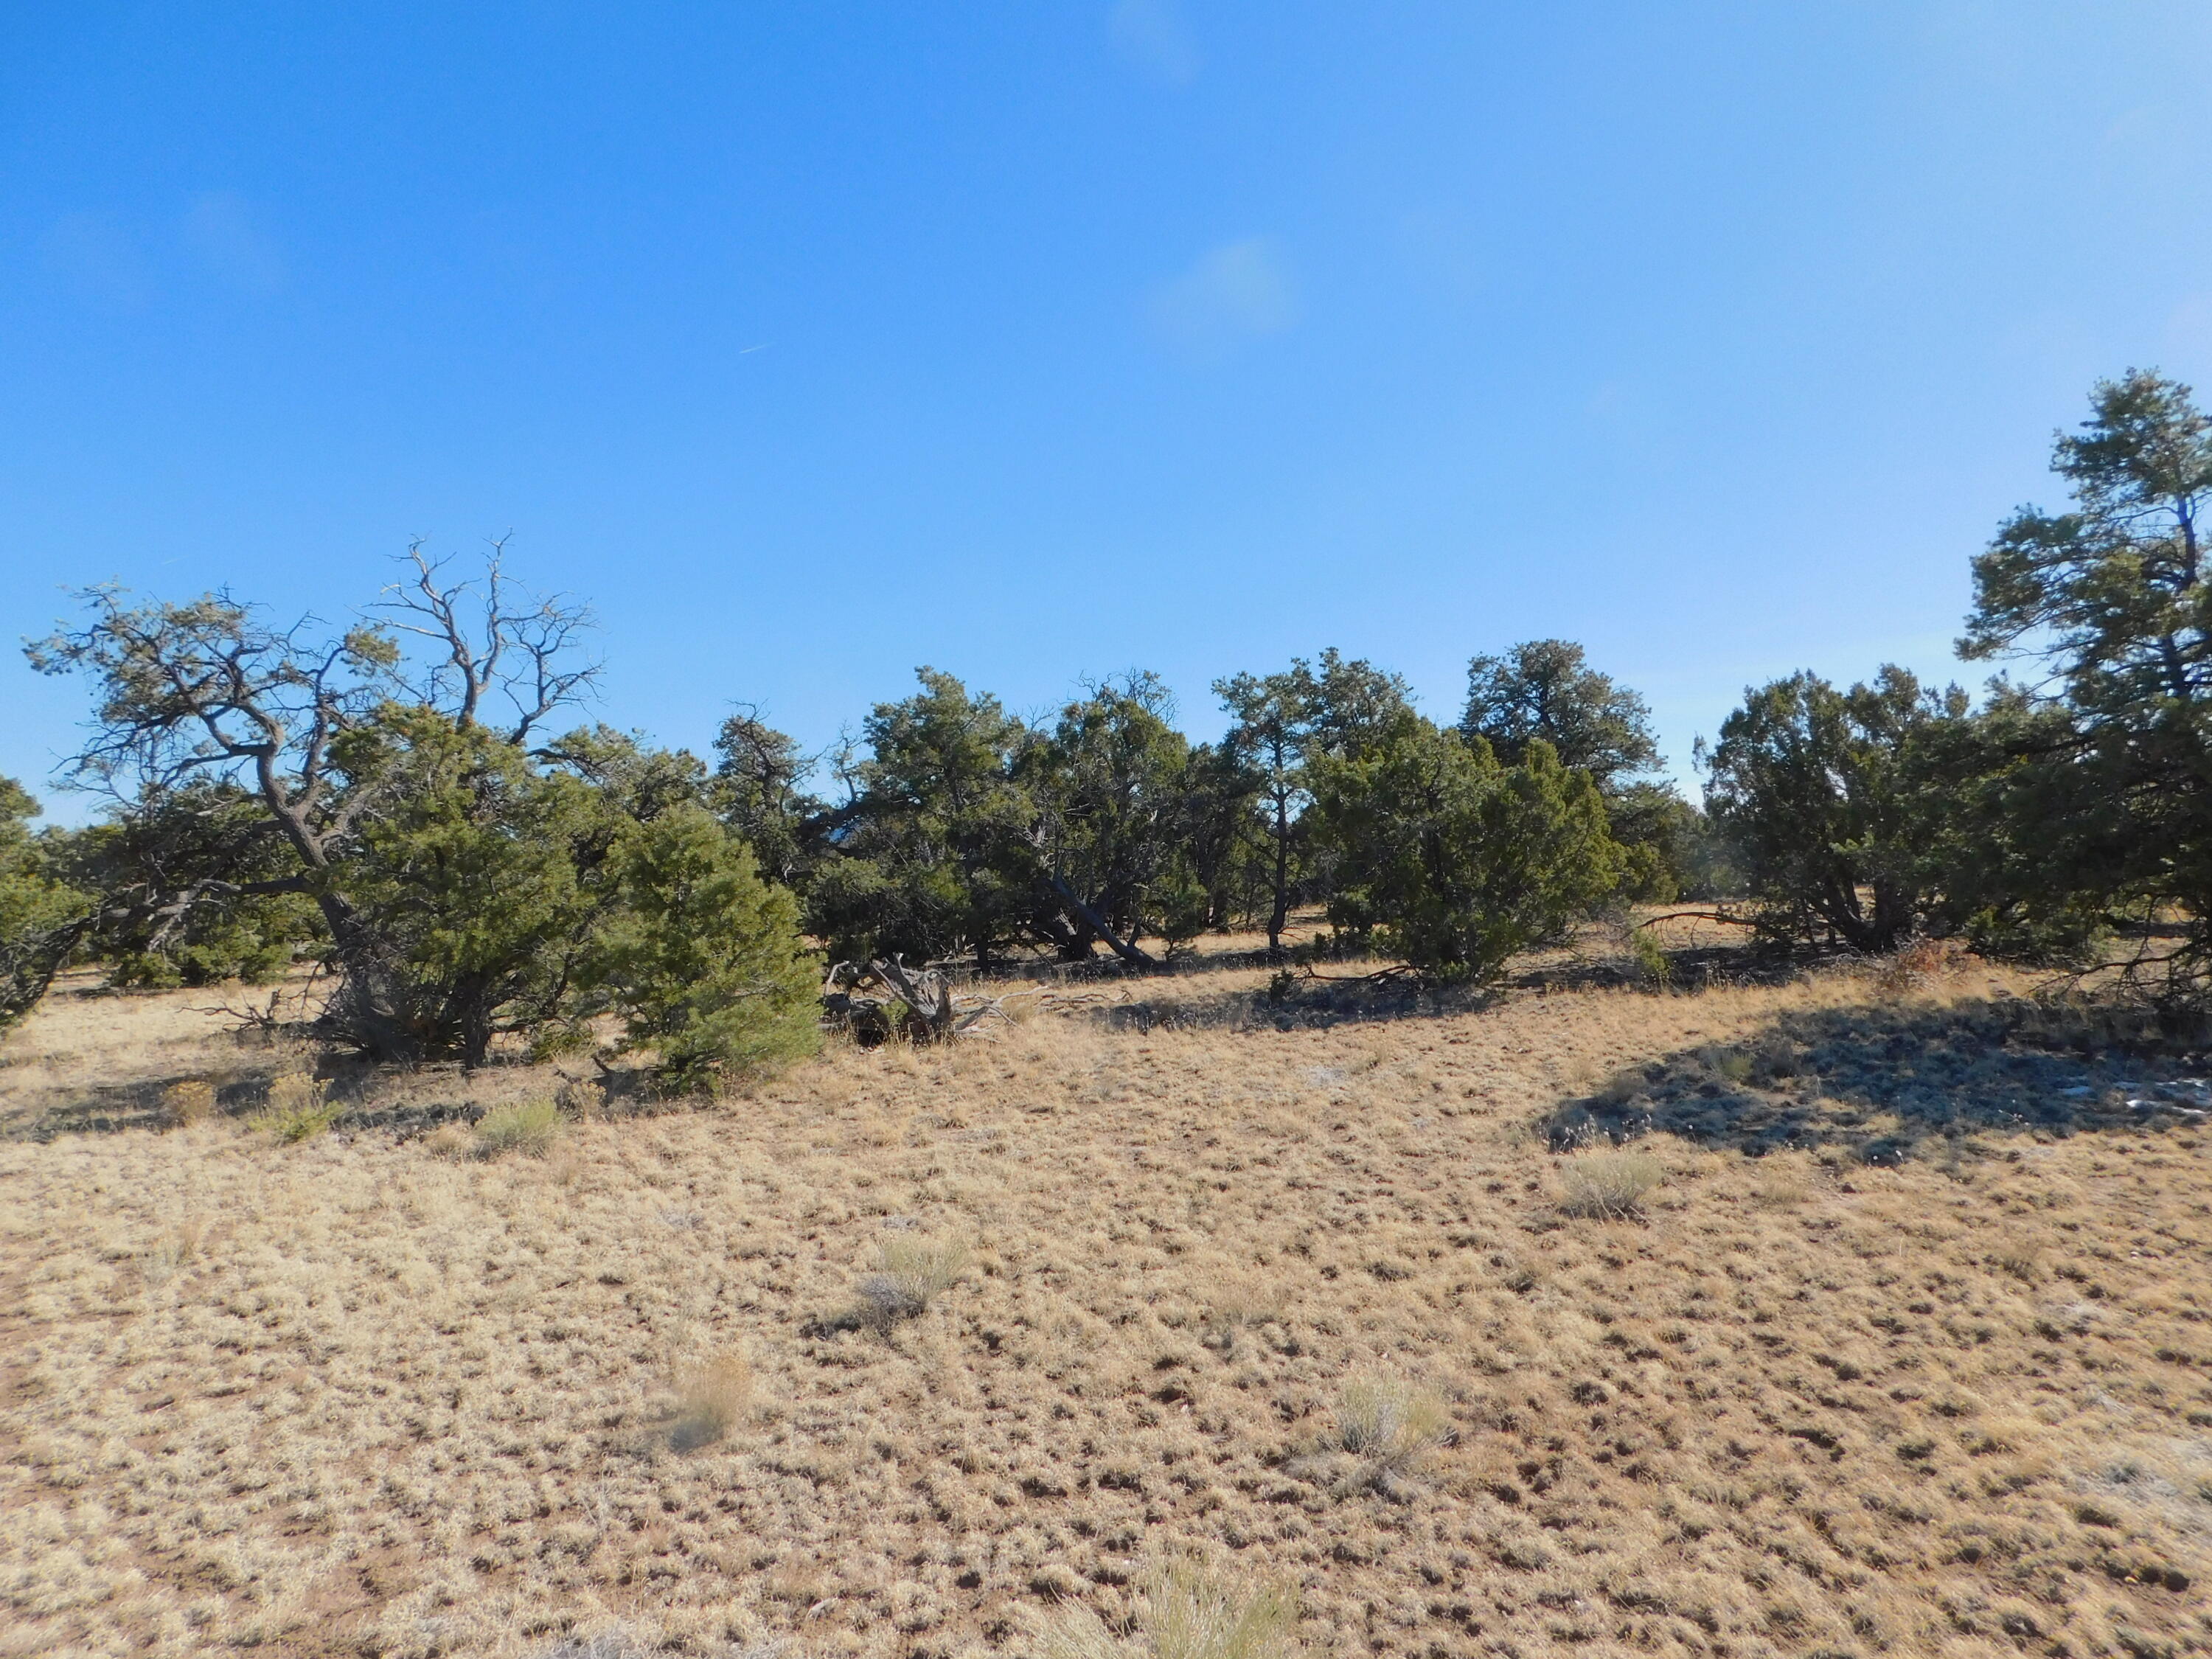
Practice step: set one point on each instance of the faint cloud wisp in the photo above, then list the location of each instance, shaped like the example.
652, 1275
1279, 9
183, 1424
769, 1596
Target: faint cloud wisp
221, 236
1235, 292
1152, 36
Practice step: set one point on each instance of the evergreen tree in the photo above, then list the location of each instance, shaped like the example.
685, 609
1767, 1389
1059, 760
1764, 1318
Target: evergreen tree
933, 857
41, 917
2110, 750
1455, 861
1814, 789
702, 959
1543, 690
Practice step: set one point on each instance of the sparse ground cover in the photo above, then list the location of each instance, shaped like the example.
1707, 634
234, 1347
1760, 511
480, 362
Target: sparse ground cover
1303, 1287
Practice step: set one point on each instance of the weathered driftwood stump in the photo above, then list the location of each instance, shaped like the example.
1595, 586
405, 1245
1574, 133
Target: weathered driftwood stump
917, 1001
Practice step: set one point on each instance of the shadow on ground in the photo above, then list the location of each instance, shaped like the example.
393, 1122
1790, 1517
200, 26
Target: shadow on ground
240, 1093
1882, 1080
1306, 996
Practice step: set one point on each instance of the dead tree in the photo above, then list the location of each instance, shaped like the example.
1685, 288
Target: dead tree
486, 637
934, 1013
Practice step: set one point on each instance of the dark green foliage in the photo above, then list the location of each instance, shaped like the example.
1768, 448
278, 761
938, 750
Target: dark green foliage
970, 833
1272, 729
2006, 823
207, 839
275, 789
934, 857
634, 779
468, 884
1813, 788
1282, 723
1543, 690
756, 790
1109, 788
1221, 837
2103, 771
462, 868
1352, 706
41, 916
1670, 850
702, 960
1453, 860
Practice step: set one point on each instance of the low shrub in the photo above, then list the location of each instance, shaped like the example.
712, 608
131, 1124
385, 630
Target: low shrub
1921, 962
530, 1127
1608, 1186
296, 1109
1388, 1420
450, 1140
911, 1273
188, 1102
173, 1252
712, 1394
1184, 1612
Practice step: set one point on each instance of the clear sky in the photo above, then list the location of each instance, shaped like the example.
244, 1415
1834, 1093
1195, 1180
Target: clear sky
1039, 340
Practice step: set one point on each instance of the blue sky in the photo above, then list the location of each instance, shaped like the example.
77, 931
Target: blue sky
1039, 341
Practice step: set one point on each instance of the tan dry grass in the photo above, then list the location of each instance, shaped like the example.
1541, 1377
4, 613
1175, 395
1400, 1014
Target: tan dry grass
712, 1394
1185, 1611
399, 1404
1608, 1186
530, 1128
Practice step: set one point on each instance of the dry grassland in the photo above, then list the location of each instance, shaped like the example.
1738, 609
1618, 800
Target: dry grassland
909, 1352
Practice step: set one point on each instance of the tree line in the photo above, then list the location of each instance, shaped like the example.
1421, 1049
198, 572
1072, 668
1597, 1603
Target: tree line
392, 801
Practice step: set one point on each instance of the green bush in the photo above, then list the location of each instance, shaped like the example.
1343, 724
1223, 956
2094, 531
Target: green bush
296, 1110
703, 961
40, 915
1453, 862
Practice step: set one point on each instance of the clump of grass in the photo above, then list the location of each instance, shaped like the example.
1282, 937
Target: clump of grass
1775, 1060
911, 1273
450, 1140
1921, 962
1388, 1419
188, 1102
1185, 1612
1236, 1305
712, 1394
2019, 1257
529, 1126
1610, 1186
1731, 1064
173, 1251
295, 1111
1782, 1188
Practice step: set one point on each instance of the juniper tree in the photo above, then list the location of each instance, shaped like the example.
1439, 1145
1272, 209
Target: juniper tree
1110, 787
1281, 723
1452, 859
42, 918
1816, 791
2111, 601
1545, 689
934, 855
702, 958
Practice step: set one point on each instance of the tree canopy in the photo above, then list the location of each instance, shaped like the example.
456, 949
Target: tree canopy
391, 801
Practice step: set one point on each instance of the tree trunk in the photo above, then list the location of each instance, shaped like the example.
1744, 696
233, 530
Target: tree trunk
365, 1006
1281, 912
1098, 924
